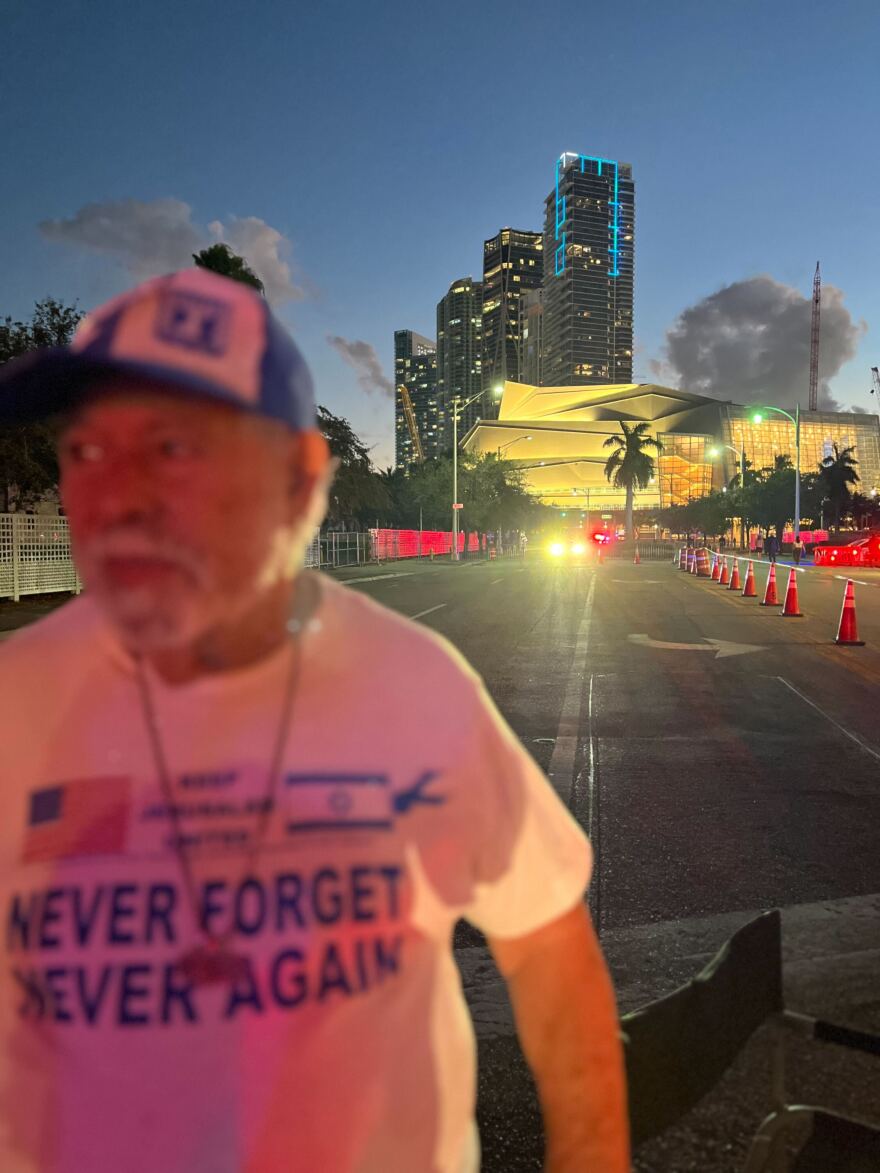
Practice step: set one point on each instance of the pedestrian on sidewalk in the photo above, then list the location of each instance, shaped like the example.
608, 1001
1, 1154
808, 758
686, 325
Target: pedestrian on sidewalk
225, 806
771, 546
759, 545
797, 550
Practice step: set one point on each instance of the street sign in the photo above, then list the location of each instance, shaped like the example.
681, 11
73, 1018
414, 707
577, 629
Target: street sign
458, 505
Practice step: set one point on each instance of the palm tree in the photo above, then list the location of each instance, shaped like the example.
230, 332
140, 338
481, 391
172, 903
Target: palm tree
220, 258
629, 466
838, 472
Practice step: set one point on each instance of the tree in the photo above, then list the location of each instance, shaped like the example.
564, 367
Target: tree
837, 472
629, 466
358, 492
28, 465
220, 258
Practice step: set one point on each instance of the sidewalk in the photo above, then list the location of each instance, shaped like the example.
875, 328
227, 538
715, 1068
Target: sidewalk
831, 953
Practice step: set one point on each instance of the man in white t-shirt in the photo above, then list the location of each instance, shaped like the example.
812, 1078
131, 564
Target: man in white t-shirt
243, 807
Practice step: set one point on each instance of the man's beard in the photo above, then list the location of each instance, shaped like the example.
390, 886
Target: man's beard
157, 615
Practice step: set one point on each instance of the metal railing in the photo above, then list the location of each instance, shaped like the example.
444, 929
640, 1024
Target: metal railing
35, 556
648, 551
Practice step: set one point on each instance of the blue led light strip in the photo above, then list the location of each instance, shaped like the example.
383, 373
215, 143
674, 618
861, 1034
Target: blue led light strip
614, 249
560, 223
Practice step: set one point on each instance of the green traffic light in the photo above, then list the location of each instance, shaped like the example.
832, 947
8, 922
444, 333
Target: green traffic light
757, 418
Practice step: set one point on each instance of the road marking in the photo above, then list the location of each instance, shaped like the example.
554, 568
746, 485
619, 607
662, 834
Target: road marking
857, 581
495, 580
430, 611
837, 725
377, 577
591, 763
721, 647
561, 768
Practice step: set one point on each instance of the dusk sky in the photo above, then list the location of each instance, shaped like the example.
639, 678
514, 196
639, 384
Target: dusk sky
372, 148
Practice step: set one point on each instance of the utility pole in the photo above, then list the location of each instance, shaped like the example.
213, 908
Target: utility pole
814, 341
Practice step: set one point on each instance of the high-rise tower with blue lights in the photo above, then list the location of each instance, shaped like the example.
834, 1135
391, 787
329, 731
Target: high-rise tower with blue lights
588, 273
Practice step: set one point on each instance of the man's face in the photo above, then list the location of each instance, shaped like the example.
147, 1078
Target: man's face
183, 514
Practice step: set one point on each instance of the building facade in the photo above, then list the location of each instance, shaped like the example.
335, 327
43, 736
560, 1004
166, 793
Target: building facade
589, 229
820, 430
531, 334
459, 354
513, 262
415, 367
559, 435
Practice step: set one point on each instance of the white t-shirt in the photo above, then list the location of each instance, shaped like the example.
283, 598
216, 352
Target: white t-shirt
404, 802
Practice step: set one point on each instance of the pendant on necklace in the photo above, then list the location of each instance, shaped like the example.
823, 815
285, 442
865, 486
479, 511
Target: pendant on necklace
211, 963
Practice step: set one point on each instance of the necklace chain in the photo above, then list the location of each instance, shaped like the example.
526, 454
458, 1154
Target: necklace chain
267, 807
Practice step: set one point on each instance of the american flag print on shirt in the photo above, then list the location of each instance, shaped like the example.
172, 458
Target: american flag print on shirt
88, 816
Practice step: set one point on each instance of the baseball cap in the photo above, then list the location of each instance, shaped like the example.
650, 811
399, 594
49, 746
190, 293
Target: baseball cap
193, 331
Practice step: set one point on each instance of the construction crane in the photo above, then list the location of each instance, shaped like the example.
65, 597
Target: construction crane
410, 416
814, 341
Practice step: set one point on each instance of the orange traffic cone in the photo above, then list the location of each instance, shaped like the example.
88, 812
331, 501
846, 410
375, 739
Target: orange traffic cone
637, 560
847, 631
792, 609
693, 566
683, 558
749, 591
734, 576
771, 599
716, 567
725, 574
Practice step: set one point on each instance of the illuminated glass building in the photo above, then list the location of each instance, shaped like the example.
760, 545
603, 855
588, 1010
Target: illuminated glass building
459, 353
588, 264
557, 435
512, 264
819, 431
415, 367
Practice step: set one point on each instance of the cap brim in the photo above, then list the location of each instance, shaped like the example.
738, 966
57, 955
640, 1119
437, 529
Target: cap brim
53, 381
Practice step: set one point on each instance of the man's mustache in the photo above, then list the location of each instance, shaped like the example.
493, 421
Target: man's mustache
132, 544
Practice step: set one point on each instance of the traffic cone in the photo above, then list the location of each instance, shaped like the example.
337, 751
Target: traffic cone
792, 609
683, 558
749, 591
771, 599
637, 560
689, 564
847, 631
734, 576
725, 574
716, 567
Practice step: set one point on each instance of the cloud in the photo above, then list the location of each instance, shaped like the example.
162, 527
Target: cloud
265, 249
152, 237
750, 341
363, 358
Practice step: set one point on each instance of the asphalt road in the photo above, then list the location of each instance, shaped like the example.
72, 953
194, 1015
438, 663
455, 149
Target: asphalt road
716, 779
711, 778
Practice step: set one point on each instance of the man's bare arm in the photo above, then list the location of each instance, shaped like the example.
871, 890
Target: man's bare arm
567, 1022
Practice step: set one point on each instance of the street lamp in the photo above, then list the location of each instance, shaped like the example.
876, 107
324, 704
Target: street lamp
457, 405
741, 453
510, 444
757, 417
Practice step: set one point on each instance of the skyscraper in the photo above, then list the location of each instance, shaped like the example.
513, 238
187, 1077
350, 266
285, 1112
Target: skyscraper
459, 353
512, 264
415, 367
588, 286
531, 336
